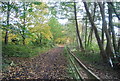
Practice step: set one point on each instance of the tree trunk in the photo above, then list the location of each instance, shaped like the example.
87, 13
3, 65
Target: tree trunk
109, 49
102, 51
91, 31
90, 37
114, 10
119, 45
23, 40
8, 15
86, 32
24, 25
40, 38
111, 27
103, 29
77, 30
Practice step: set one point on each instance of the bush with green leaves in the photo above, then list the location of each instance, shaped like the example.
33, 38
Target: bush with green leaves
22, 51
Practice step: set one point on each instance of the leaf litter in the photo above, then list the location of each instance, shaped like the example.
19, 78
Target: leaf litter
49, 65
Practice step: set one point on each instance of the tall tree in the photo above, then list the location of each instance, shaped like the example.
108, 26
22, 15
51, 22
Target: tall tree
114, 10
24, 23
118, 45
8, 16
103, 24
91, 30
86, 28
117, 15
110, 11
41, 28
77, 30
109, 49
102, 51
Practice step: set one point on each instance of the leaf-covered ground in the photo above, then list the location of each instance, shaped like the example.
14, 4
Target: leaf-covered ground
49, 65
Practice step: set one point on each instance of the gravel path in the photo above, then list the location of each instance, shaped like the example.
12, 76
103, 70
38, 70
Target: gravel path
49, 65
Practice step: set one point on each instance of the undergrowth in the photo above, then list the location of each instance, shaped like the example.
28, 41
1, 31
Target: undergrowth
89, 57
69, 67
22, 51
19, 51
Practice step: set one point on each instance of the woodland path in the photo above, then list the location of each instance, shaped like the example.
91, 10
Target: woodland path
49, 65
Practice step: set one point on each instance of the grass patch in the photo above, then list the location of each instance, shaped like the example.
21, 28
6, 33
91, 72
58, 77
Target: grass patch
70, 72
22, 51
19, 51
89, 57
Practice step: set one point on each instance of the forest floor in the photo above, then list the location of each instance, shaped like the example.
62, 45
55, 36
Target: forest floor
104, 71
49, 65
52, 65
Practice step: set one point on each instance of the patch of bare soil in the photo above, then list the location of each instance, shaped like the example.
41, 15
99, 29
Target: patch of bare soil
49, 65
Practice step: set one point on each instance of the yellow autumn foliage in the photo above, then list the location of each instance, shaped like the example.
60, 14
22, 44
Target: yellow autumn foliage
40, 26
12, 36
63, 39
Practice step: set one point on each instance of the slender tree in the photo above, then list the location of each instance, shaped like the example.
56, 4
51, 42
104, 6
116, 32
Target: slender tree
111, 27
114, 10
109, 49
86, 28
77, 30
8, 16
119, 45
103, 24
24, 25
91, 30
102, 51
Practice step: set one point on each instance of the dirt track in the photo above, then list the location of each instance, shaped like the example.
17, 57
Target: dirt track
49, 65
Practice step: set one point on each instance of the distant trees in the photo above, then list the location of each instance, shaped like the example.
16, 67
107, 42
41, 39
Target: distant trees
56, 29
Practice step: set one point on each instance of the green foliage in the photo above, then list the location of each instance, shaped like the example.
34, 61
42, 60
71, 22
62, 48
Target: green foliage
32, 21
117, 25
70, 29
40, 30
56, 30
21, 51
37, 3
70, 69
89, 57
91, 54
93, 46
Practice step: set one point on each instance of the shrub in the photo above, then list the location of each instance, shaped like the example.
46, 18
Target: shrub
21, 51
